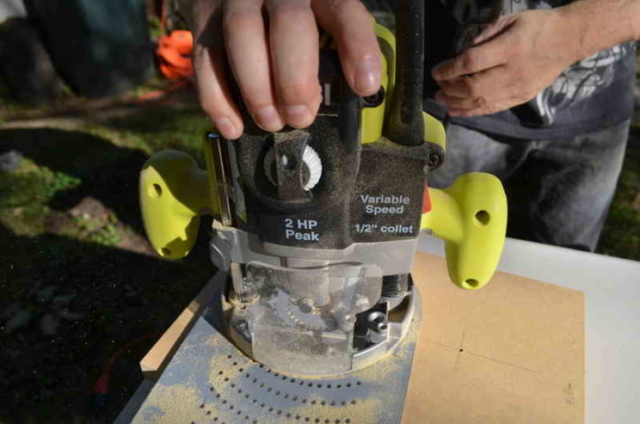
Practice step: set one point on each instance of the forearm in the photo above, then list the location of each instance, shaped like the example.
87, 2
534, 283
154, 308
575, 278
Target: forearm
601, 24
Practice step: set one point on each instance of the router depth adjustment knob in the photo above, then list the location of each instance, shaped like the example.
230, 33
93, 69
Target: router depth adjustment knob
311, 167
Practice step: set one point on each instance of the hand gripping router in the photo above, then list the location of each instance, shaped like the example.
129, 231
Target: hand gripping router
318, 227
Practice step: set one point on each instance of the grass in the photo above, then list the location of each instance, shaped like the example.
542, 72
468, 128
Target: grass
139, 130
621, 234
24, 194
50, 244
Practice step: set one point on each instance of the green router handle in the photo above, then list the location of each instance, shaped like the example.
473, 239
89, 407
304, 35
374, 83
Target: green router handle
174, 192
471, 217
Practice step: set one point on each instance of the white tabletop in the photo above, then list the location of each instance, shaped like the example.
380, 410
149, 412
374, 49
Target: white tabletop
612, 307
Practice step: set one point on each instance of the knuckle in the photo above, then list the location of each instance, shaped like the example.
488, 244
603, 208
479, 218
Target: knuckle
468, 62
472, 87
479, 102
299, 93
346, 7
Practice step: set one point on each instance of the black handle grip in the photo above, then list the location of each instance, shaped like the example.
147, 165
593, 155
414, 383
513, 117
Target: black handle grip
404, 124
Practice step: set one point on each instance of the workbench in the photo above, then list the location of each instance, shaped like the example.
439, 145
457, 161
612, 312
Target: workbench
612, 295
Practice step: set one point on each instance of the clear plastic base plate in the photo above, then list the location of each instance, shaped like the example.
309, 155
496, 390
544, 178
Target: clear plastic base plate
210, 381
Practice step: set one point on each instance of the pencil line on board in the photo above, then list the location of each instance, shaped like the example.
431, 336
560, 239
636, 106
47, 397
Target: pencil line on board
441, 344
501, 362
460, 350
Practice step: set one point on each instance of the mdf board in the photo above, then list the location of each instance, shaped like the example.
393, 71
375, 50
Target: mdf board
509, 353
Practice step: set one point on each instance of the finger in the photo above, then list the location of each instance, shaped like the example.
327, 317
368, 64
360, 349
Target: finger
460, 103
197, 13
215, 98
480, 84
483, 109
294, 46
473, 60
486, 92
248, 53
490, 106
494, 29
460, 87
352, 28
441, 98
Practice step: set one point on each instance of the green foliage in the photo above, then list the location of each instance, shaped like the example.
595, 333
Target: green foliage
158, 129
621, 235
24, 193
31, 184
155, 29
101, 231
106, 236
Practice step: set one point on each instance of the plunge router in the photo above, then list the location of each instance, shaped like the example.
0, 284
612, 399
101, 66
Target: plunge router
314, 234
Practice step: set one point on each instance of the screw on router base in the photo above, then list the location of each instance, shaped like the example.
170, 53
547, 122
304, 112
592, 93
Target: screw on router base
395, 285
435, 160
376, 99
394, 289
378, 326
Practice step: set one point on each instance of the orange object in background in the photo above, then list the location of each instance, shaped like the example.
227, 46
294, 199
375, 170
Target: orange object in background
174, 54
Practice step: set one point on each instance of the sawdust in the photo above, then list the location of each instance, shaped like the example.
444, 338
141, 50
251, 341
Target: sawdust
172, 401
360, 412
227, 368
393, 362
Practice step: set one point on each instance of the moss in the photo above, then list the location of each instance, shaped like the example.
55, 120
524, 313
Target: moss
32, 184
100, 231
157, 129
24, 193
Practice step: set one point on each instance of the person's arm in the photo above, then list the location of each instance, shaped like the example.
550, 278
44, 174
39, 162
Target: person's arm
602, 24
521, 54
272, 47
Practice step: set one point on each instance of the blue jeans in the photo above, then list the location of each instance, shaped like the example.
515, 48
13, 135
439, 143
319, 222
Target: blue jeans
559, 191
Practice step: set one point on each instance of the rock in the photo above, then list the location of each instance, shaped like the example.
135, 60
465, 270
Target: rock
10, 160
49, 325
101, 48
26, 65
55, 222
90, 208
